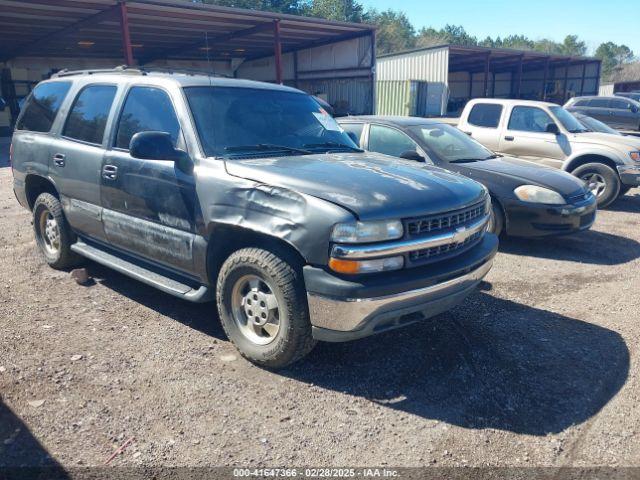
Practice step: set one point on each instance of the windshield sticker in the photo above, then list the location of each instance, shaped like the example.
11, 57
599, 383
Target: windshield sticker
327, 121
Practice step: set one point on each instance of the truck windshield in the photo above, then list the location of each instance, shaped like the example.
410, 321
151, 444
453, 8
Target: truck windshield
567, 120
236, 122
450, 144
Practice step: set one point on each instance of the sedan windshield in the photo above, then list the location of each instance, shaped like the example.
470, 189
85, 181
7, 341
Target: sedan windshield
567, 120
450, 144
234, 122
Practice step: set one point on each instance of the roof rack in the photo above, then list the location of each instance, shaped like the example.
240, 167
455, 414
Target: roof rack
124, 69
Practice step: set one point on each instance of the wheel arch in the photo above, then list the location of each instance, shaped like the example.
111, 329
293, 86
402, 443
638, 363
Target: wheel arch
35, 184
225, 239
578, 161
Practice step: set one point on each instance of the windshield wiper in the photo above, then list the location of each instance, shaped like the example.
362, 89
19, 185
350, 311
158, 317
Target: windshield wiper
332, 145
265, 147
578, 130
465, 160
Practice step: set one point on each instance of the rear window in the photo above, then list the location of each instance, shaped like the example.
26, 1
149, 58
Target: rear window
88, 116
42, 106
485, 115
580, 103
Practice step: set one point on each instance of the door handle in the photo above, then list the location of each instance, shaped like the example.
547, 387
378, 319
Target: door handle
509, 138
58, 159
109, 172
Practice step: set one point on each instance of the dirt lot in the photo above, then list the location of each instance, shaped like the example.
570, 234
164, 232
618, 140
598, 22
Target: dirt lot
540, 367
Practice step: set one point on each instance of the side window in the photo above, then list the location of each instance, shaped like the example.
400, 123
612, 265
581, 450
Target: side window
485, 115
389, 141
145, 109
620, 105
355, 129
89, 113
529, 119
599, 103
42, 106
581, 103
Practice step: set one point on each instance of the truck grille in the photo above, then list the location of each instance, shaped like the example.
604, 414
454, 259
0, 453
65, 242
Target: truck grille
421, 225
443, 223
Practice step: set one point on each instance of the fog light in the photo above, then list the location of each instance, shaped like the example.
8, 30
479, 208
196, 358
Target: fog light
352, 267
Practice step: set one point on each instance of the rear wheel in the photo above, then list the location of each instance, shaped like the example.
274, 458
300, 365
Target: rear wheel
263, 308
53, 234
602, 180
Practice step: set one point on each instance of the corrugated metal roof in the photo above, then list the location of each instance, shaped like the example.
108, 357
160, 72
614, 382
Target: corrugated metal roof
159, 29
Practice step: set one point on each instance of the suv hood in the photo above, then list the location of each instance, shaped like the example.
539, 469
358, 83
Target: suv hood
619, 142
513, 172
372, 186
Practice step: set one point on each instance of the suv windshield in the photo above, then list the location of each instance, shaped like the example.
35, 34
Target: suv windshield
450, 144
234, 121
567, 120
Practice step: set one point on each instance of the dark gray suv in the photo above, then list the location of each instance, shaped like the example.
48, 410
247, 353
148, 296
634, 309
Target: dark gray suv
250, 194
617, 112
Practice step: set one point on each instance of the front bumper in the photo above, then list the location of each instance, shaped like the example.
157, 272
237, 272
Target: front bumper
629, 175
343, 309
525, 219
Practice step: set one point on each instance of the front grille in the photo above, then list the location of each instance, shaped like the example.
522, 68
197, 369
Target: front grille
442, 250
423, 225
443, 223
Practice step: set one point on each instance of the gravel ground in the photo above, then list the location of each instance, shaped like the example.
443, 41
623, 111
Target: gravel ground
538, 368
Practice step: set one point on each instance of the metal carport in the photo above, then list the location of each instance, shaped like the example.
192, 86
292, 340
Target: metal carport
328, 57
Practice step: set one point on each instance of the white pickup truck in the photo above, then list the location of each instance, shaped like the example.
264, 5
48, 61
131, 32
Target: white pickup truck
546, 133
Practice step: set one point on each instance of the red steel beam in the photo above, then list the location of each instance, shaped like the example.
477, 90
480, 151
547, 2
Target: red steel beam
277, 46
126, 36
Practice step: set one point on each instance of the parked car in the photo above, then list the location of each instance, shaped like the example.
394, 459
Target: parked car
632, 95
594, 125
248, 193
618, 112
527, 200
547, 134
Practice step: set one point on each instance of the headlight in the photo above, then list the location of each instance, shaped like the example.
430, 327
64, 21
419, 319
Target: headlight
635, 156
353, 267
535, 194
365, 232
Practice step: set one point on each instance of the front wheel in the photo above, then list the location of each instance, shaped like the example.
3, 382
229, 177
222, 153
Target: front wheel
263, 309
602, 180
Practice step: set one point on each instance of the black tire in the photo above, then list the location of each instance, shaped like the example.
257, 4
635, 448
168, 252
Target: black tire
282, 279
606, 176
496, 221
58, 253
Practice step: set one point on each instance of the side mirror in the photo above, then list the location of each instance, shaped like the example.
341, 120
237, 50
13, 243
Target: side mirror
353, 137
634, 109
158, 146
3, 104
412, 155
552, 128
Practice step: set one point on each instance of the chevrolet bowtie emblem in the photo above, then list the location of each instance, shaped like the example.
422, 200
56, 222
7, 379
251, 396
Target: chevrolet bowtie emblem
460, 235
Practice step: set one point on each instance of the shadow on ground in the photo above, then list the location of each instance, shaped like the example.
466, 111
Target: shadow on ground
491, 363
592, 247
627, 203
22, 456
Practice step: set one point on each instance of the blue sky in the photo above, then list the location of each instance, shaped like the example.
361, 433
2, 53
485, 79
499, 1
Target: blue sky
594, 21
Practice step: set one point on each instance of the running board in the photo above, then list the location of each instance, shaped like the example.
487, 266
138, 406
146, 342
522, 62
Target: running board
144, 275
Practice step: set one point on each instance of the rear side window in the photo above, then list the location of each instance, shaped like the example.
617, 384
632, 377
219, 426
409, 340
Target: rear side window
355, 129
620, 105
485, 115
42, 107
146, 109
599, 103
88, 116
